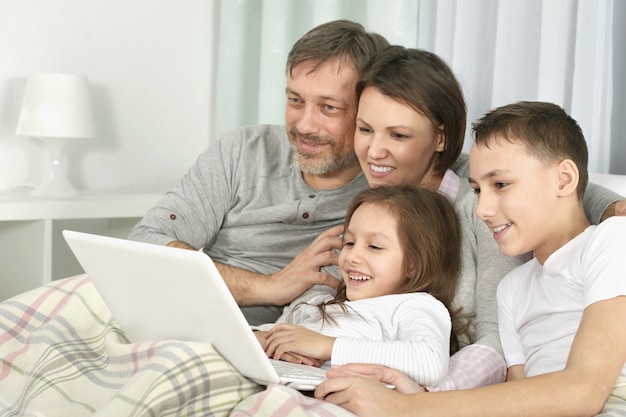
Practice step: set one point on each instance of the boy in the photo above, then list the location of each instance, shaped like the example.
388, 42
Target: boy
558, 312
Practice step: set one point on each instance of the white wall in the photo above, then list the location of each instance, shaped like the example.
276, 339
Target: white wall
150, 66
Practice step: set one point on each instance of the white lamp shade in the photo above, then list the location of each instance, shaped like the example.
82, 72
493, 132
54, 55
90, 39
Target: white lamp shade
56, 105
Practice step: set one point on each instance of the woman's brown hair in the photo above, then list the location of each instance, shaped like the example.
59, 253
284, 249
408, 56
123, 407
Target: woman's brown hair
424, 82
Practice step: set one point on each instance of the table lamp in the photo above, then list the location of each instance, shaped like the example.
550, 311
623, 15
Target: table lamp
56, 109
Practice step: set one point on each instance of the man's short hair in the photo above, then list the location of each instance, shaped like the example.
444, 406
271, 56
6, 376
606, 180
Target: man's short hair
341, 39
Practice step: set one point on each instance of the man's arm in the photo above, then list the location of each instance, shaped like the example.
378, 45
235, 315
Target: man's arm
282, 287
617, 208
277, 289
193, 211
181, 245
600, 203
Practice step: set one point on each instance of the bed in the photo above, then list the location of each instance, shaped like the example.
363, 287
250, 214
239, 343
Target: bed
63, 354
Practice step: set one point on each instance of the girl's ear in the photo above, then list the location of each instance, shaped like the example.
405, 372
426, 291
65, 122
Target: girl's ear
568, 177
411, 270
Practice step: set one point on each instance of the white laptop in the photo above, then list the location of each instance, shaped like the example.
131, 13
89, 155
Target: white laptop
157, 292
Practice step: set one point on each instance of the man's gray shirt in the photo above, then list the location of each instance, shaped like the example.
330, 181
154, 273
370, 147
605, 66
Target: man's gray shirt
244, 201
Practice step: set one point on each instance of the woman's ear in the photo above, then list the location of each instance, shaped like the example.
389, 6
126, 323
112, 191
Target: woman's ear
568, 177
441, 139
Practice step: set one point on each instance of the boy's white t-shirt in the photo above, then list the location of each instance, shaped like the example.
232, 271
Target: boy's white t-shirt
541, 306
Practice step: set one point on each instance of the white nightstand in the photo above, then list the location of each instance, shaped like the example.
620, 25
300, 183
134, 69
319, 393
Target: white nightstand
32, 249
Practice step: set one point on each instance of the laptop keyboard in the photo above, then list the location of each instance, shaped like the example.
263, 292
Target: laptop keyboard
298, 371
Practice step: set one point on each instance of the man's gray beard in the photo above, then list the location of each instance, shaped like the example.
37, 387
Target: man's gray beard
323, 167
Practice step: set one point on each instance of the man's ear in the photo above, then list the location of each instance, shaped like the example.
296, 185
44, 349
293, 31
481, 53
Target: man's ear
568, 177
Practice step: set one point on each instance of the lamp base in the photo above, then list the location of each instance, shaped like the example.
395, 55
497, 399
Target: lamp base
55, 183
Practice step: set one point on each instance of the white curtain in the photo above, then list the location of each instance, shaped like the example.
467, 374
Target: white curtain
570, 52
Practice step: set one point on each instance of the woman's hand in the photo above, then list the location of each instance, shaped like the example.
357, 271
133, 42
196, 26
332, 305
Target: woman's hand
296, 340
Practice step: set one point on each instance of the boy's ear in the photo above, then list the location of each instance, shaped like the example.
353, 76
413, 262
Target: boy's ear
568, 177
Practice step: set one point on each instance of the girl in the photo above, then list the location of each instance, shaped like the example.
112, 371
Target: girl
399, 263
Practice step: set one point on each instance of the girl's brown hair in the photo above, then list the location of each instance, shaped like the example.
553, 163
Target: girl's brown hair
430, 234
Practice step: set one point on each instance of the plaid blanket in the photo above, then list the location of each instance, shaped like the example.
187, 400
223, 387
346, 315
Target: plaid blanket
281, 401
62, 354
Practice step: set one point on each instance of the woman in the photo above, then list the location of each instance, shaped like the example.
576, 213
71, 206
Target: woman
410, 130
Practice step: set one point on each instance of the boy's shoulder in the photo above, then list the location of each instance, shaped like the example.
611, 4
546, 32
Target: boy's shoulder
613, 221
610, 232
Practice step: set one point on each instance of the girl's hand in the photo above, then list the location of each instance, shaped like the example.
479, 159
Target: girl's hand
305, 360
297, 340
260, 336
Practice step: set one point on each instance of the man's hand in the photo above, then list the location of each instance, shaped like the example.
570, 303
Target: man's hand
291, 339
299, 275
304, 271
180, 244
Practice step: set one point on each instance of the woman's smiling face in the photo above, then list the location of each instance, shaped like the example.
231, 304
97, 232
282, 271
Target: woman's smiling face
394, 143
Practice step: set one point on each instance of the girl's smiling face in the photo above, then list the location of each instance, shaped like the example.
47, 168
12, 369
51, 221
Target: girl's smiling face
372, 258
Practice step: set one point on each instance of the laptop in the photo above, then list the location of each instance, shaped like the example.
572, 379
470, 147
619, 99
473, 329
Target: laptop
158, 292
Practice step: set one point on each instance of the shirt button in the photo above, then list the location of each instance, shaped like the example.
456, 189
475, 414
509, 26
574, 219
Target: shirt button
172, 216
311, 195
305, 215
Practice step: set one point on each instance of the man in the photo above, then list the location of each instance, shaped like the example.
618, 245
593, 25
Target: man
257, 199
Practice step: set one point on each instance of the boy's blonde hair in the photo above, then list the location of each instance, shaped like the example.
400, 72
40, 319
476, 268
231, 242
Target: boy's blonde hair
546, 130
